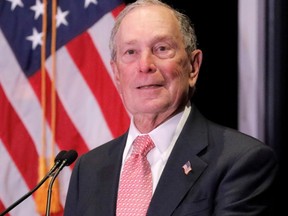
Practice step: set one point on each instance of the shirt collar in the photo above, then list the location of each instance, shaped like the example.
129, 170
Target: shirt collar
163, 134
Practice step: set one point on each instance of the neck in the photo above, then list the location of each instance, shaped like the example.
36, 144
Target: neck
145, 123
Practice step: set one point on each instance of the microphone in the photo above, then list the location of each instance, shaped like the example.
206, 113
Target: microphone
57, 163
68, 158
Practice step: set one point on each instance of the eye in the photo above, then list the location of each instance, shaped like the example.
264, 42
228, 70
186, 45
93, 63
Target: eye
129, 55
162, 48
164, 51
130, 52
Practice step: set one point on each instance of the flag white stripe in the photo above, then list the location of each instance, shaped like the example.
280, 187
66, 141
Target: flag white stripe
64, 178
101, 39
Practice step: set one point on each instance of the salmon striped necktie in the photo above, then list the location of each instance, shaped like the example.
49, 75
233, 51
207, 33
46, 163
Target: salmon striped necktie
135, 187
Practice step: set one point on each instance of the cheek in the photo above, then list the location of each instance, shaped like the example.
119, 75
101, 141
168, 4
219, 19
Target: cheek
177, 74
179, 79
124, 82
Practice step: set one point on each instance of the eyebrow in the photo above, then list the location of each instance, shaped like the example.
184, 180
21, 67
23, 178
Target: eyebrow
162, 37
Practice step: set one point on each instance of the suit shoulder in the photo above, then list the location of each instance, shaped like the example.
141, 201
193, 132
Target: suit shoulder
233, 138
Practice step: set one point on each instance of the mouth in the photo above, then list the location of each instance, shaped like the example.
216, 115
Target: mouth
153, 86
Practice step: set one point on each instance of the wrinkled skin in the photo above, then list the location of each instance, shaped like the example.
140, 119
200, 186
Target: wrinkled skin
153, 72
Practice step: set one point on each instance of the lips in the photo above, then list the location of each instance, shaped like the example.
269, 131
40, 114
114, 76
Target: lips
149, 86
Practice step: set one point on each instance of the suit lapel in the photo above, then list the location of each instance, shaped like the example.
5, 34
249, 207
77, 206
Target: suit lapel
174, 183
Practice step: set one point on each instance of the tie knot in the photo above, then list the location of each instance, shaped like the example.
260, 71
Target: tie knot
142, 145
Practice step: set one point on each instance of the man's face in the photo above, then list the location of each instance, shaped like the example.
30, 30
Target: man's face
152, 69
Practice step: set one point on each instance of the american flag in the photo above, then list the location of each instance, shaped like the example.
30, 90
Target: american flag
187, 167
88, 108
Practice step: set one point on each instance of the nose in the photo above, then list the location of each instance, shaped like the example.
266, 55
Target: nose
147, 62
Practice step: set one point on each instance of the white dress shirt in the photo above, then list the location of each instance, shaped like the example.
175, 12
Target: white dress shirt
164, 138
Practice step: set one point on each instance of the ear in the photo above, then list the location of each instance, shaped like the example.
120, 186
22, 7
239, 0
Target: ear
116, 75
196, 61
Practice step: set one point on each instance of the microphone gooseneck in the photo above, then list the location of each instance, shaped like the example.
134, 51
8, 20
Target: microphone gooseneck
57, 163
68, 158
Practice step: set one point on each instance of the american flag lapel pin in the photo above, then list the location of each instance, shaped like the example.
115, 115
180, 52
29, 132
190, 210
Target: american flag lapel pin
187, 167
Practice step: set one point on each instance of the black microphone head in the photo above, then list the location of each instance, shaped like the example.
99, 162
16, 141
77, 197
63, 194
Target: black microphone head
70, 157
60, 156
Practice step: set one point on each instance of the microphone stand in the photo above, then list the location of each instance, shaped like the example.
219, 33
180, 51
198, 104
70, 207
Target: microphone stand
25, 196
68, 158
48, 203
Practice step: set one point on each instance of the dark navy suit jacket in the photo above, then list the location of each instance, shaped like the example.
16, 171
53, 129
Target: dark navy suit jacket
232, 174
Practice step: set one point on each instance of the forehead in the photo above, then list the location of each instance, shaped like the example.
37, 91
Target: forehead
149, 21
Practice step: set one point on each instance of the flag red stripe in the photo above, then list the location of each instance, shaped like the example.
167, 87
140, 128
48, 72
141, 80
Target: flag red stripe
18, 142
94, 72
2, 208
117, 10
64, 124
